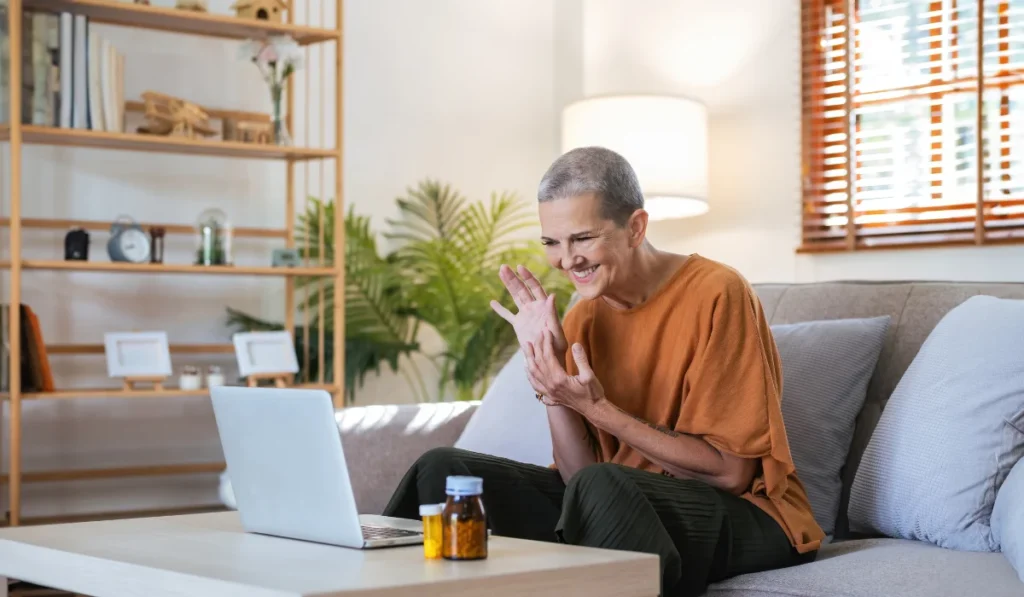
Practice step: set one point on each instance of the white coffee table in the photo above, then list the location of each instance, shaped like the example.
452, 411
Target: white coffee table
210, 554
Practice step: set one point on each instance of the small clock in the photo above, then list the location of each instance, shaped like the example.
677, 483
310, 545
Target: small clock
128, 242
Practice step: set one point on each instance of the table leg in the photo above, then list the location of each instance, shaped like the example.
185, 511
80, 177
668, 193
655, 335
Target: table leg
3, 586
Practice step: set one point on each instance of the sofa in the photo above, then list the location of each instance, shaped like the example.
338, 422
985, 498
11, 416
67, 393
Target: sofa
381, 442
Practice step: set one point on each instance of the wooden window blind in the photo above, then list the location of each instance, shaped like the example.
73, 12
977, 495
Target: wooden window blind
899, 148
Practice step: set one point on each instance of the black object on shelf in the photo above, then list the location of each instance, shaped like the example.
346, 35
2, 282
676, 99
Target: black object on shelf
76, 245
157, 254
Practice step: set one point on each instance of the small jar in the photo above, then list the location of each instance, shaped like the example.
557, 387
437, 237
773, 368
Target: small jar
464, 521
214, 377
213, 238
431, 515
189, 378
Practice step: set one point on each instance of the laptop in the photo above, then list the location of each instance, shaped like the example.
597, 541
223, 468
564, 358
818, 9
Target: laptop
284, 456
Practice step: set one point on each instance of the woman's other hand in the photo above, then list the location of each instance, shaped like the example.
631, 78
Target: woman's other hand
549, 378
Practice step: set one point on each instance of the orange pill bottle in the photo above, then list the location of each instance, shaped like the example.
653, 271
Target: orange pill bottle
464, 520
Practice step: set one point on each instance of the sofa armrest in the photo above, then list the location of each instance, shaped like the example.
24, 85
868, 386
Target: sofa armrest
382, 442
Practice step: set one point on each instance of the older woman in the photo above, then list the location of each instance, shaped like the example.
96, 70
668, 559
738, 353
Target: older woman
663, 396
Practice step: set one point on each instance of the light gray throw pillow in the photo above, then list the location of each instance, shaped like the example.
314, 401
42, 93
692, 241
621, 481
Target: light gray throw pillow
510, 422
946, 439
826, 367
1008, 515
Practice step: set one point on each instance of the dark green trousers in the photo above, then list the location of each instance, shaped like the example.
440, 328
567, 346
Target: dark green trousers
702, 534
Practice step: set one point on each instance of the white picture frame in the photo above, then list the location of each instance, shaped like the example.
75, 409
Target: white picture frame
263, 353
137, 354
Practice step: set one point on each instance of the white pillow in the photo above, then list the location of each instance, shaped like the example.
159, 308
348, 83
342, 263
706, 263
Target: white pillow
1008, 516
946, 439
510, 422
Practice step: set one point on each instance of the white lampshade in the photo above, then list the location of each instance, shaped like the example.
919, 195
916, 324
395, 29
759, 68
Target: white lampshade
665, 139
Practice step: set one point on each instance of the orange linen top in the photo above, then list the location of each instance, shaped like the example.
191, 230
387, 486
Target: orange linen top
699, 357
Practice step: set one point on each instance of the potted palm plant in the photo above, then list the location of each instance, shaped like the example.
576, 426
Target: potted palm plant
443, 273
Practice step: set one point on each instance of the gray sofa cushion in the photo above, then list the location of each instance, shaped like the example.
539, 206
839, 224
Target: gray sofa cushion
945, 442
826, 366
882, 568
915, 308
1008, 515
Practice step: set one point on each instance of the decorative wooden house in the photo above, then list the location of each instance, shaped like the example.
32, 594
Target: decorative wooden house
264, 10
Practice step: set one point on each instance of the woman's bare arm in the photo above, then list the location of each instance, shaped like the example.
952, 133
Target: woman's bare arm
570, 440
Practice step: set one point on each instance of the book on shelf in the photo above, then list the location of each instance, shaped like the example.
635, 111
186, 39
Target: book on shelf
36, 375
72, 76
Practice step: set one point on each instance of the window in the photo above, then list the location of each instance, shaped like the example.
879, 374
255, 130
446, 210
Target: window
910, 126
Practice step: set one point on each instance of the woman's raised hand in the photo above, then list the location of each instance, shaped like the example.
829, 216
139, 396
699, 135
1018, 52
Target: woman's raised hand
535, 309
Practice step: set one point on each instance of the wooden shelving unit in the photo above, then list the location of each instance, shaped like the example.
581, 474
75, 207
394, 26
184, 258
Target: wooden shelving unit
165, 268
46, 135
17, 135
141, 16
87, 393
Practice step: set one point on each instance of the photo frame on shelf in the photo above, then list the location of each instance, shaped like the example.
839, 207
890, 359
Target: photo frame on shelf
137, 355
265, 354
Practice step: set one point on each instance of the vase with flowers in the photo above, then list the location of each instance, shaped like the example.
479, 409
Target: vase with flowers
277, 58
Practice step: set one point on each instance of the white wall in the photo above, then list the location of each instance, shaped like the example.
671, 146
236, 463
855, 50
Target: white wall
456, 90
742, 58
459, 90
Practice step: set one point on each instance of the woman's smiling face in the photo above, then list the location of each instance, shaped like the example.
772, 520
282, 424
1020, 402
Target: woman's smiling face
592, 250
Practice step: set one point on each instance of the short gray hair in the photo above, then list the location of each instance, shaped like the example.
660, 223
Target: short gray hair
594, 170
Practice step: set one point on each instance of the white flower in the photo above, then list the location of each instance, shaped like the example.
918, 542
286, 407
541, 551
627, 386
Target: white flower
287, 49
276, 58
249, 49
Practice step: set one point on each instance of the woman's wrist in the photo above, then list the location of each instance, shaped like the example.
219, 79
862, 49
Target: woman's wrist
596, 411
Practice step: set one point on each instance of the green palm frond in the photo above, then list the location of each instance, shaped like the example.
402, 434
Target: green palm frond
443, 273
485, 231
244, 322
453, 275
430, 211
488, 348
309, 226
378, 324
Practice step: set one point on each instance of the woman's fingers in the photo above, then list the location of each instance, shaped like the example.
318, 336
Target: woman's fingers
533, 360
532, 283
544, 357
548, 351
536, 384
520, 293
582, 363
529, 352
503, 312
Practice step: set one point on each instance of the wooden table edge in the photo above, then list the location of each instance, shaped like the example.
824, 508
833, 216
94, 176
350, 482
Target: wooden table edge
636, 575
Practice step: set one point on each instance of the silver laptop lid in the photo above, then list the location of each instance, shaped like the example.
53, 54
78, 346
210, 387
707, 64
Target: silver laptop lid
286, 463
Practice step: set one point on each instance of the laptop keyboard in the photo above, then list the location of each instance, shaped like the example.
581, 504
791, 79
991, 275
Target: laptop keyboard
370, 533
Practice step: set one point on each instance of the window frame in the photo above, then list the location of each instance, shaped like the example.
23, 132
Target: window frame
825, 34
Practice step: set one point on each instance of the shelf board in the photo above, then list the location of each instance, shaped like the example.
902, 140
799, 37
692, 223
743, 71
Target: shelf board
173, 268
99, 349
182, 21
112, 393
158, 470
104, 226
89, 393
68, 137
